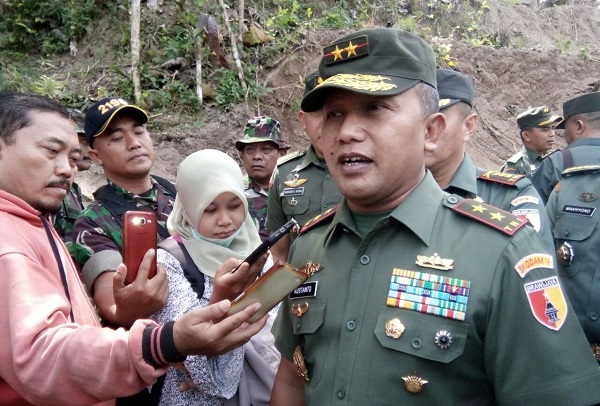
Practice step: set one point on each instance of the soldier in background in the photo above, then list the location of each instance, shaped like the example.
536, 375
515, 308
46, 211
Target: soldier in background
582, 133
302, 186
536, 128
258, 150
454, 171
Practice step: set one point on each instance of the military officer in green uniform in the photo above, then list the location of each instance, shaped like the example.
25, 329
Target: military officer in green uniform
536, 128
417, 297
259, 150
454, 171
301, 186
574, 211
582, 133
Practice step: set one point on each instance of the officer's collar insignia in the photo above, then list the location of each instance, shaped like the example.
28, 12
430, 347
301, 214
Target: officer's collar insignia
295, 181
501, 177
588, 197
414, 383
534, 261
565, 254
547, 302
317, 219
344, 50
435, 262
429, 293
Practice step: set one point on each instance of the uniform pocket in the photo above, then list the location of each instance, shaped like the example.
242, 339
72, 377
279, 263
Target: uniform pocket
295, 205
577, 230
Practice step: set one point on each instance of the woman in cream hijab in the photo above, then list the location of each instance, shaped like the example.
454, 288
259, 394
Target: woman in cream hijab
210, 218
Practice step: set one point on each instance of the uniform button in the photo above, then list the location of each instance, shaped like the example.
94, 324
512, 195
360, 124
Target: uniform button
298, 325
341, 394
364, 259
416, 343
292, 211
452, 199
325, 205
327, 176
594, 316
351, 325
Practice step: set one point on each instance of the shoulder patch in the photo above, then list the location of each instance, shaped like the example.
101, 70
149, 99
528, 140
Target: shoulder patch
515, 158
291, 156
501, 177
581, 170
489, 215
318, 219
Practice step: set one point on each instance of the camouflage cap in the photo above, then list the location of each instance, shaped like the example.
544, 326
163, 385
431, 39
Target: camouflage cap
312, 80
587, 103
537, 117
99, 116
376, 61
454, 87
261, 129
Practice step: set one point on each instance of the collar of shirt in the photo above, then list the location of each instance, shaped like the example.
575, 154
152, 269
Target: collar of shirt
464, 181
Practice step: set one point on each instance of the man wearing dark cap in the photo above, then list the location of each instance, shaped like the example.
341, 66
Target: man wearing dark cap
536, 128
582, 133
120, 143
258, 150
454, 171
417, 297
301, 186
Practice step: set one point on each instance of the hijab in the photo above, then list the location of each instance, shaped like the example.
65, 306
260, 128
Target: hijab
201, 177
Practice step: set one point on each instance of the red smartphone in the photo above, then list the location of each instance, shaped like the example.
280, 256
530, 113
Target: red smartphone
139, 235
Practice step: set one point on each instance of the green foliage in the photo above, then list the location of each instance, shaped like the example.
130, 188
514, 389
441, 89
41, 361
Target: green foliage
230, 90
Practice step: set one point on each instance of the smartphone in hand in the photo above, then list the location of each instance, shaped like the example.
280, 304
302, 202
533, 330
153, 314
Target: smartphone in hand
139, 235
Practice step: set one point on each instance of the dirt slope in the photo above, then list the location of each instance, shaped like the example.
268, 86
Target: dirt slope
542, 64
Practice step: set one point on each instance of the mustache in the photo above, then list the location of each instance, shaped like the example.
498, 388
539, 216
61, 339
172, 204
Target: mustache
60, 182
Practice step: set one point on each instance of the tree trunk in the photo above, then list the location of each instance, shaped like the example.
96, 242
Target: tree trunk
135, 49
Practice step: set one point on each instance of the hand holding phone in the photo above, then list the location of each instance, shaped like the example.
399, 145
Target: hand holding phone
139, 235
268, 243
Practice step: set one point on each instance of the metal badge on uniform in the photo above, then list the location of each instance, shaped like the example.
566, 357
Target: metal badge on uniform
292, 202
435, 262
443, 339
565, 253
300, 308
307, 289
295, 181
394, 328
414, 383
578, 210
300, 365
547, 302
293, 192
588, 197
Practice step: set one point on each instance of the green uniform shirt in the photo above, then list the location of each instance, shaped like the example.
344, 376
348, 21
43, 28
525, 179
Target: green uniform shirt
574, 211
301, 188
499, 354
509, 192
584, 151
525, 162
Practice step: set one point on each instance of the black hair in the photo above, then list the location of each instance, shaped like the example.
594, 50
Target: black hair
15, 108
429, 98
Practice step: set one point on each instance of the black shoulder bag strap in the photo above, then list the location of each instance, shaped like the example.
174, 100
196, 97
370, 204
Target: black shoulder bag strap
567, 157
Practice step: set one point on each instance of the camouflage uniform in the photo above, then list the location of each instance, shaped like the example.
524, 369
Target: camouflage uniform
96, 230
64, 219
258, 199
301, 188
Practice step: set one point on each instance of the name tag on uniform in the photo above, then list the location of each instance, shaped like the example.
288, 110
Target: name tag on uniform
307, 289
580, 211
298, 191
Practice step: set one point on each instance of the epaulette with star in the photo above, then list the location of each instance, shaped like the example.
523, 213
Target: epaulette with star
581, 170
318, 219
492, 216
291, 156
501, 177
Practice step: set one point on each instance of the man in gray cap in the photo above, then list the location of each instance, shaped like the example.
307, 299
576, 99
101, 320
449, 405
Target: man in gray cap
536, 128
258, 150
582, 133
454, 171
416, 296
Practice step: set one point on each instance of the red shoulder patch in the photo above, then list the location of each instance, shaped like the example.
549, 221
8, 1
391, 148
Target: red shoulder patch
318, 219
501, 177
492, 216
